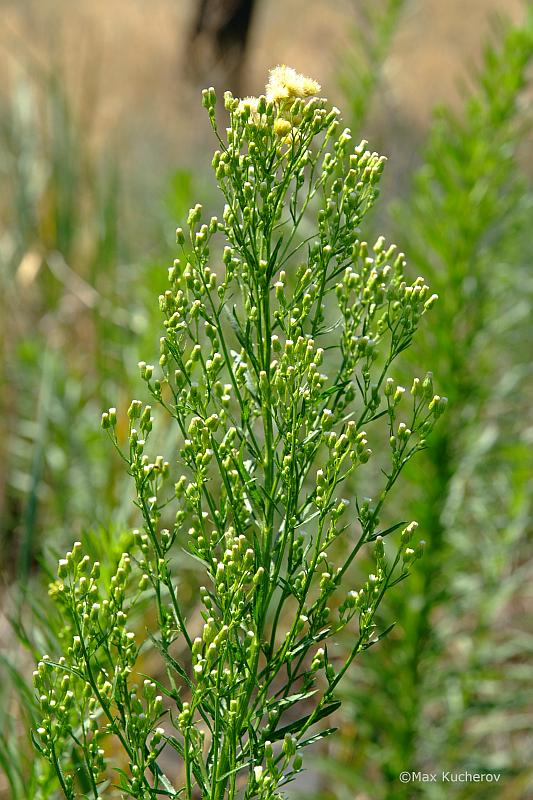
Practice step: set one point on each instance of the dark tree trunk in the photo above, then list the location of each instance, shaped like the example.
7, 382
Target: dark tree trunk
218, 40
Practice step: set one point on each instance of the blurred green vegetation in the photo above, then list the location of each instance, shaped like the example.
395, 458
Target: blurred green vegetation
77, 302
449, 688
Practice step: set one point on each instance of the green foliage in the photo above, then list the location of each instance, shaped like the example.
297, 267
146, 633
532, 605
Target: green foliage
361, 67
280, 327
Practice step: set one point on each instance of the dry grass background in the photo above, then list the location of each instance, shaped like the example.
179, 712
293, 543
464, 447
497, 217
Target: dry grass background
127, 61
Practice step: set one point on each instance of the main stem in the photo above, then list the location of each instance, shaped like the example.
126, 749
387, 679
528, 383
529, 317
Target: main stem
224, 768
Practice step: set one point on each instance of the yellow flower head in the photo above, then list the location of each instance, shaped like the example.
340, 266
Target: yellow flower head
55, 588
282, 127
285, 83
248, 103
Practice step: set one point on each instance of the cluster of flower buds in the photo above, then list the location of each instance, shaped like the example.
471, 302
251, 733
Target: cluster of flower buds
207, 651
146, 710
351, 176
351, 446
53, 686
410, 551
373, 295
75, 691
295, 371
278, 768
406, 438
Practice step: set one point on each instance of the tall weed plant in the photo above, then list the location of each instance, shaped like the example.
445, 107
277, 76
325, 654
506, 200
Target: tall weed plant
280, 325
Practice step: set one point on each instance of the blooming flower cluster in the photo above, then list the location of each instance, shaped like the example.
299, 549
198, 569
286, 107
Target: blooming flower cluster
284, 86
